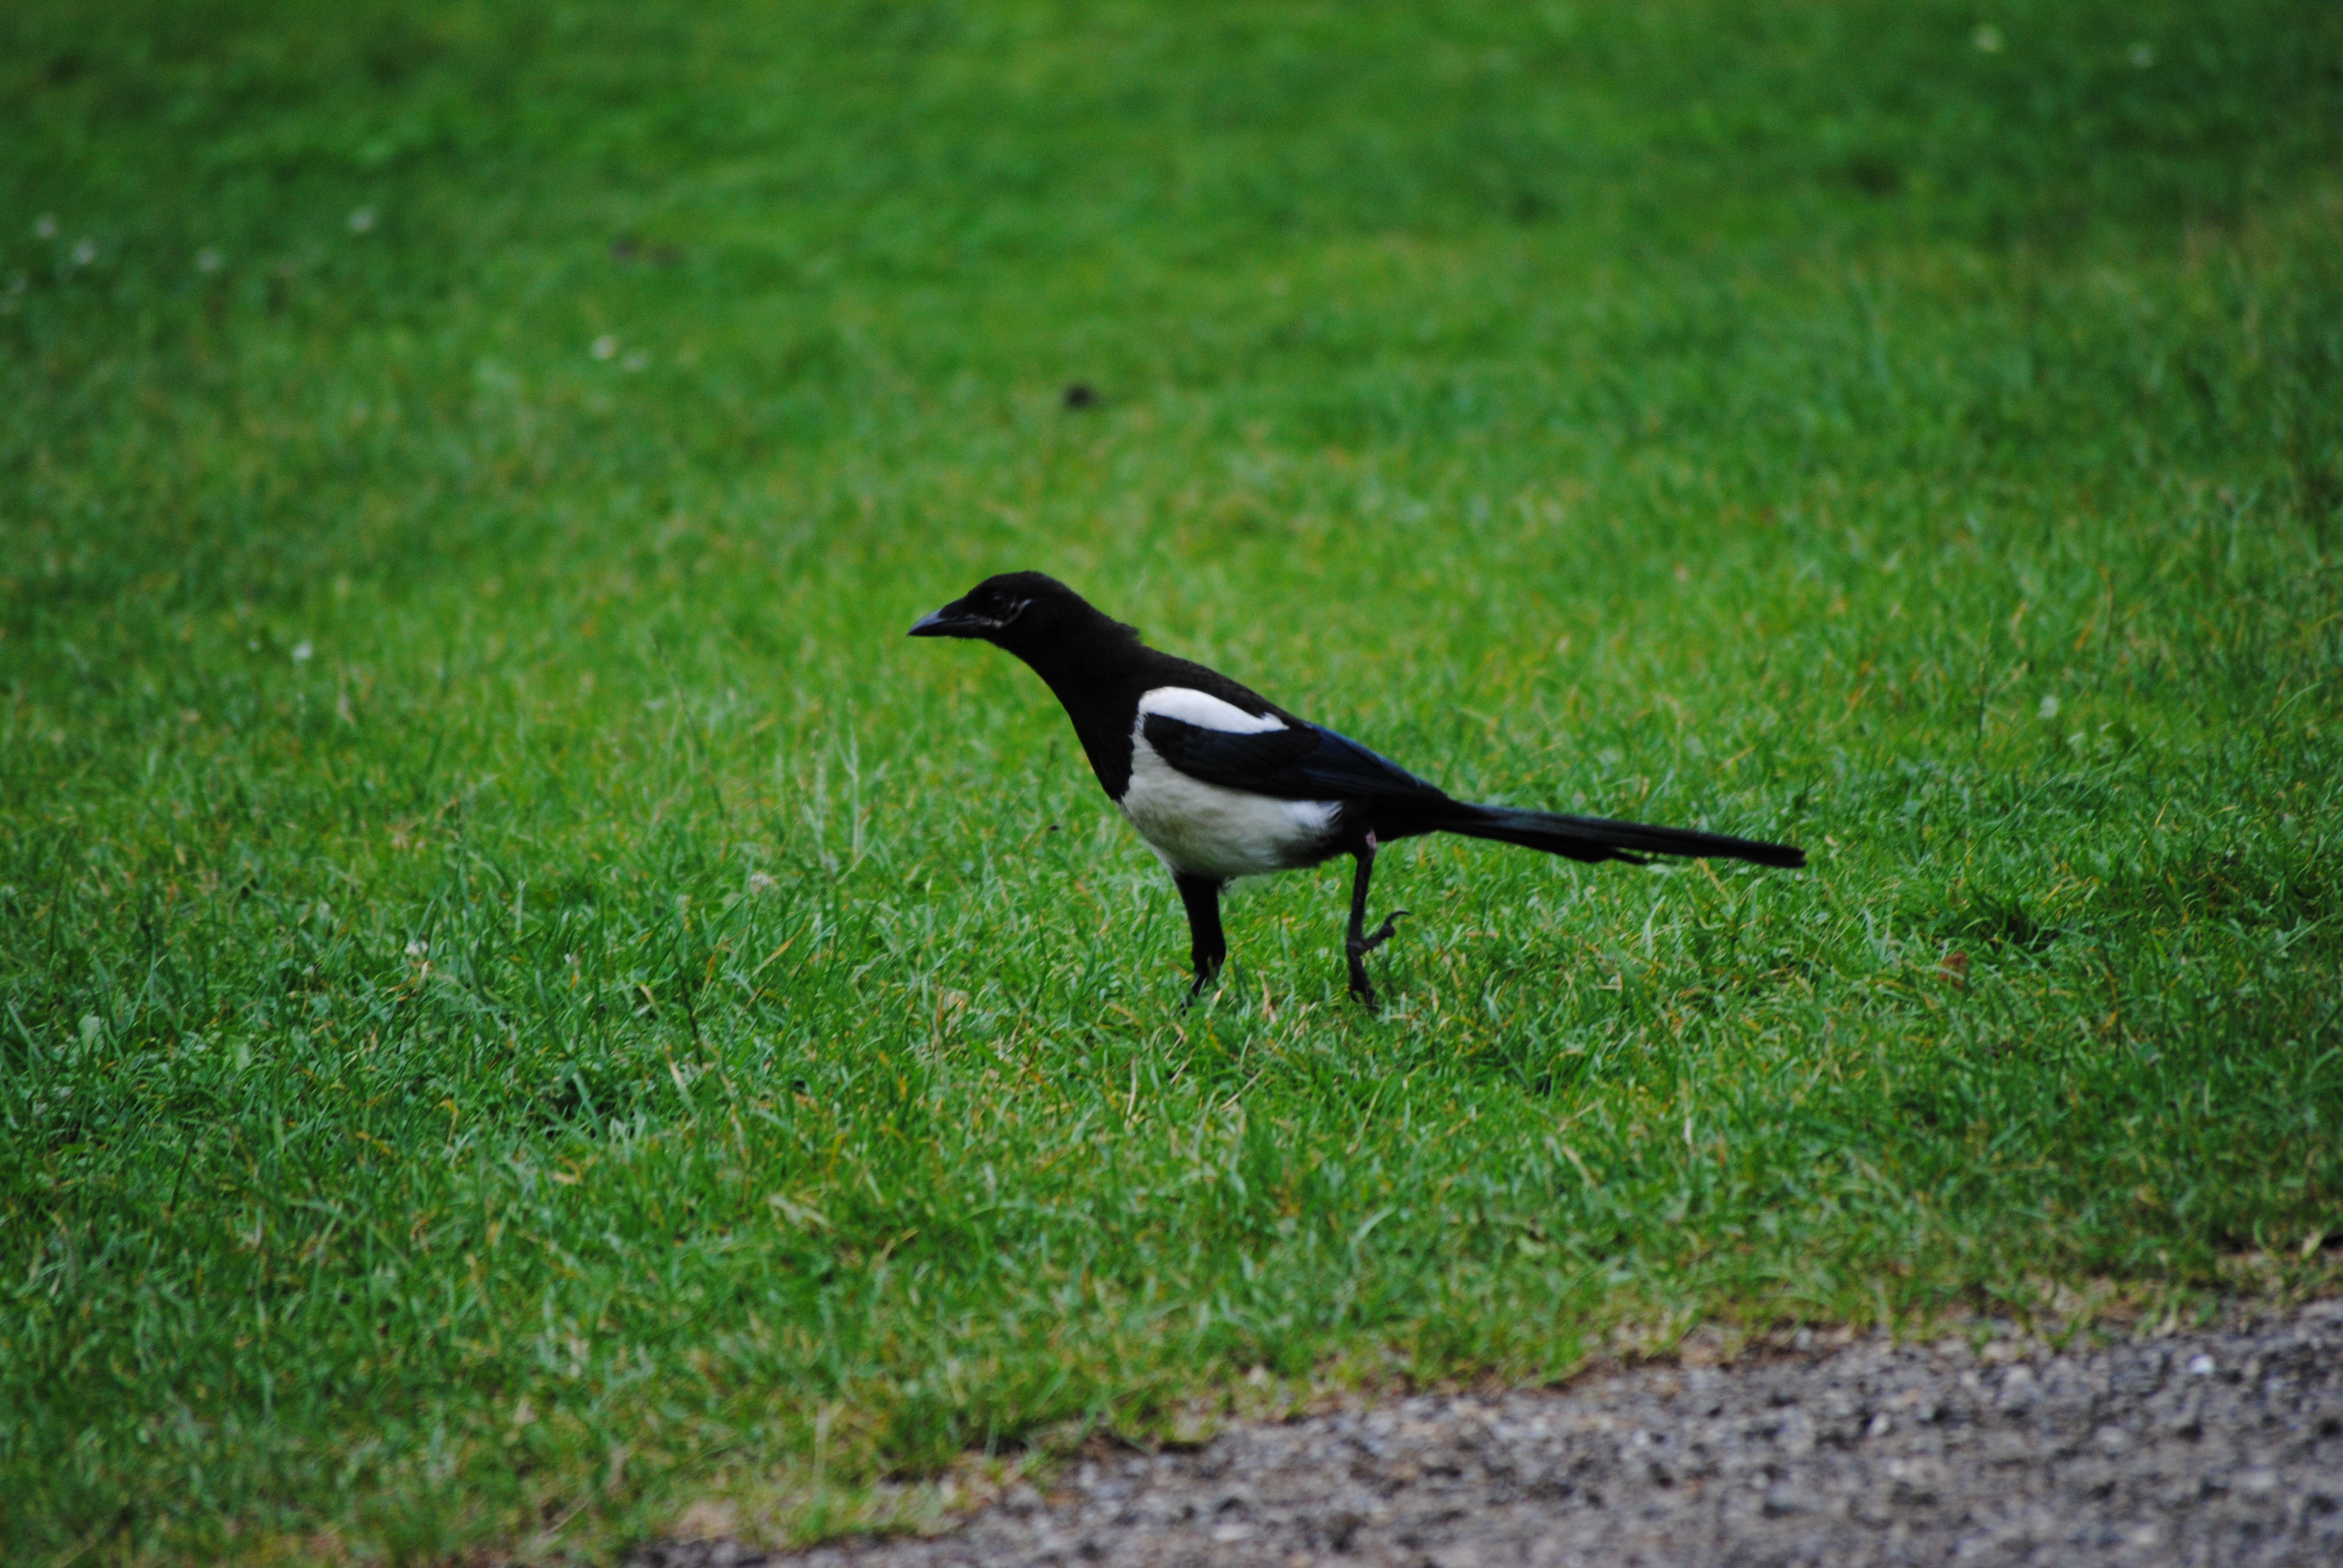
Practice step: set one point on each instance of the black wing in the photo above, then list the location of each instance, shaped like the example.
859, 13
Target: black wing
1308, 763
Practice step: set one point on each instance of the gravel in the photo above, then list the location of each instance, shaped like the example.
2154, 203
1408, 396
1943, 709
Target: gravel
2216, 1448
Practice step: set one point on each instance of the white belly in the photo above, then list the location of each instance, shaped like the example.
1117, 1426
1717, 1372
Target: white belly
1205, 829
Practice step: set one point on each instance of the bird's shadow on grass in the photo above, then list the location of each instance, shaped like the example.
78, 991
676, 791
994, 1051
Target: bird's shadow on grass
1284, 1032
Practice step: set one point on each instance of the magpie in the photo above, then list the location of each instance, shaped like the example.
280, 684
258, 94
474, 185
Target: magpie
1222, 783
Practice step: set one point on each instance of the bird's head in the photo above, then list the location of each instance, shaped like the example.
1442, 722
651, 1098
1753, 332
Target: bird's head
1017, 610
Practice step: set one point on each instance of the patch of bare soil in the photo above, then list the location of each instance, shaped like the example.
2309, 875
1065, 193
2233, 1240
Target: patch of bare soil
2213, 1448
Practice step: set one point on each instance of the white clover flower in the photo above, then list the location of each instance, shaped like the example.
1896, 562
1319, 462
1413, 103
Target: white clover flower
85, 252
1987, 38
2143, 55
303, 652
636, 361
208, 259
362, 220
418, 949
605, 347
2049, 708
44, 226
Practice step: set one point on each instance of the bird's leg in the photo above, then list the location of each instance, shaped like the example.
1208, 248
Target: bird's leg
1207, 948
1359, 943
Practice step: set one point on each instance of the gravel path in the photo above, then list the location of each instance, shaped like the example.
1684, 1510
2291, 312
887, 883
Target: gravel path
2218, 1448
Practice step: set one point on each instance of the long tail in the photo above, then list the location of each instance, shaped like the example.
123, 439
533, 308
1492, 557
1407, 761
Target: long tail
1594, 839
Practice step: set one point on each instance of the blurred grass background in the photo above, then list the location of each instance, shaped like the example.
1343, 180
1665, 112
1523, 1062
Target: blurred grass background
527, 1003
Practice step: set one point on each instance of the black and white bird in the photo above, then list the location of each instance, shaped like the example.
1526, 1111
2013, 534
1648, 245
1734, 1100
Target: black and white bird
1223, 783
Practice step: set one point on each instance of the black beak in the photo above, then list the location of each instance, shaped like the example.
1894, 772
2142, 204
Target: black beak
949, 621
956, 619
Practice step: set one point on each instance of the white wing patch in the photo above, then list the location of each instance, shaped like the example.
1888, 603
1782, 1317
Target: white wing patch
1206, 829
1205, 711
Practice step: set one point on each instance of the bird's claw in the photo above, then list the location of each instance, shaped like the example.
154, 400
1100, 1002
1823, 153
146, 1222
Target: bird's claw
1376, 938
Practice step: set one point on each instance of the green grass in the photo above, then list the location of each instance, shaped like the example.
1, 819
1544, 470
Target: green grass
527, 1000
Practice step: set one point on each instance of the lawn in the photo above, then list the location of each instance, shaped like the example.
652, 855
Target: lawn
526, 1001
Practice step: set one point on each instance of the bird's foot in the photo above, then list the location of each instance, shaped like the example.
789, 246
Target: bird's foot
1359, 946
